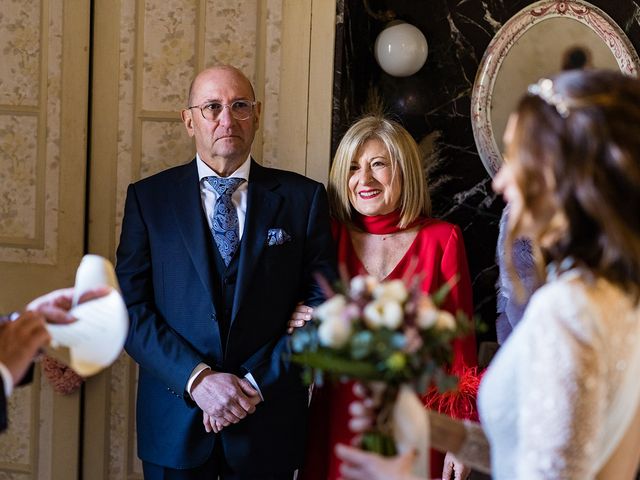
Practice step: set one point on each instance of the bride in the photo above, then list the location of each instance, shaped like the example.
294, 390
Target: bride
561, 398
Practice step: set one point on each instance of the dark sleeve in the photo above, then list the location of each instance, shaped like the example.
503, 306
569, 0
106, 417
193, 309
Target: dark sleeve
152, 343
320, 253
3, 410
270, 366
28, 377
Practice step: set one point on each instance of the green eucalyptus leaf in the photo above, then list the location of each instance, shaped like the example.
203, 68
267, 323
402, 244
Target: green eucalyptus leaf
329, 362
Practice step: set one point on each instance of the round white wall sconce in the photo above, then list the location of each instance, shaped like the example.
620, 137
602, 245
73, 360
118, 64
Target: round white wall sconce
401, 49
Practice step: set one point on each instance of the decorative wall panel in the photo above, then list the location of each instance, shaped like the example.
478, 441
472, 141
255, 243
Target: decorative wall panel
30, 78
271, 82
18, 165
20, 41
168, 42
16, 447
230, 35
164, 145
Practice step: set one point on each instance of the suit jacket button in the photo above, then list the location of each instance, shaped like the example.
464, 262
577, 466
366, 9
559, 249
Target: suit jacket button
230, 280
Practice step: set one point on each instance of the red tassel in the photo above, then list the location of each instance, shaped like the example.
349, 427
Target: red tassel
459, 403
62, 378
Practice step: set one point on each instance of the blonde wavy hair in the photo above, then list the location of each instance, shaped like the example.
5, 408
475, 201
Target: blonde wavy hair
406, 161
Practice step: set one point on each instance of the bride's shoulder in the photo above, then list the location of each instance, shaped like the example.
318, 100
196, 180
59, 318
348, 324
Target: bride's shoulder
565, 305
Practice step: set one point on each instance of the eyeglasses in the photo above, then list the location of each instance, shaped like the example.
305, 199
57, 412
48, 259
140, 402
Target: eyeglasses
240, 109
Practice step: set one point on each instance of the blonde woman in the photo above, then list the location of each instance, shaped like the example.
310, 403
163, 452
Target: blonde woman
381, 209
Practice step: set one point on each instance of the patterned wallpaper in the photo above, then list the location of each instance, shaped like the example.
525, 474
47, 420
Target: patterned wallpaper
14, 444
20, 40
31, 42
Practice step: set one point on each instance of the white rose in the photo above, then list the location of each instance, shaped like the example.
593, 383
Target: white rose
445, 321
331, 308
392, 290
334, 332
383, 313
362, 285
426, 313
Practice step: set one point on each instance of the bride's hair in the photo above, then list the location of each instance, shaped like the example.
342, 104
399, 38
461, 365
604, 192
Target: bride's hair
582, 129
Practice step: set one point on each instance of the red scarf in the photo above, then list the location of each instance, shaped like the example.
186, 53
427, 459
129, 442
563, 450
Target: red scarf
383, 224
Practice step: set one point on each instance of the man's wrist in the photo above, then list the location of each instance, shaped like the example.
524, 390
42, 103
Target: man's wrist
196, 374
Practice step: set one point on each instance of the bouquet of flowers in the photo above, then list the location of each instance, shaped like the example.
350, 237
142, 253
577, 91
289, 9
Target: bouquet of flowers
385, 334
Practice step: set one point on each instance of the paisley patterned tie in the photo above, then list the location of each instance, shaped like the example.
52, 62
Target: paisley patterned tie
224, 220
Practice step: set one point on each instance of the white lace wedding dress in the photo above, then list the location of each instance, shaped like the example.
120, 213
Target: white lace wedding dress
562, 392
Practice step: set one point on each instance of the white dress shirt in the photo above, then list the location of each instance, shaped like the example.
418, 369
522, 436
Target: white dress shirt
7, 380
209, 198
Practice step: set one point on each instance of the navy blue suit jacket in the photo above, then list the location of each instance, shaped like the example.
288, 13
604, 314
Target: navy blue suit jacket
3, 409
4, 420
166, 274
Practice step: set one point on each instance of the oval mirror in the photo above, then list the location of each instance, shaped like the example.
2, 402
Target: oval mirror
542, 39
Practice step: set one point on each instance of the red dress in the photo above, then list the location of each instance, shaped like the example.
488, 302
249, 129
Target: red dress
439, 252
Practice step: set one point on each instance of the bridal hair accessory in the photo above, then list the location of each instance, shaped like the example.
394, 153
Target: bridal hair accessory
544, 90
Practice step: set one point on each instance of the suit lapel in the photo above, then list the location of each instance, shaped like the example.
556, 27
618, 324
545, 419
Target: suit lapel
262, 206
193, 229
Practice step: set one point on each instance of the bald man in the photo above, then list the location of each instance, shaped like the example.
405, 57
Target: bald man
213, 257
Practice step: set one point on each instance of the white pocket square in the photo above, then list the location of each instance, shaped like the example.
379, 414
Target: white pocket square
277, 236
